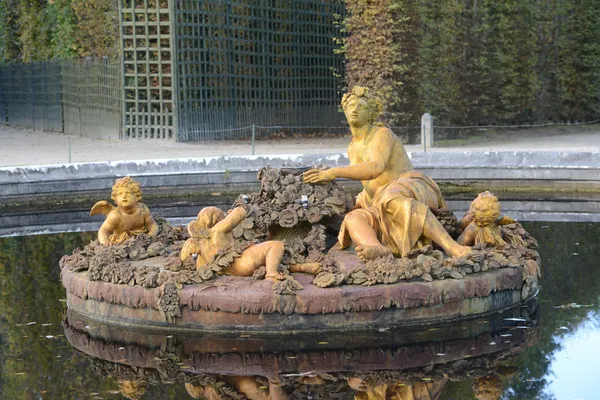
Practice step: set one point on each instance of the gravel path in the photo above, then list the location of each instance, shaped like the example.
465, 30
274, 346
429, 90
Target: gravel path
28, 147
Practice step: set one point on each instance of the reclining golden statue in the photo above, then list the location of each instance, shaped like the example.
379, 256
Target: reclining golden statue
129, 218
393, 213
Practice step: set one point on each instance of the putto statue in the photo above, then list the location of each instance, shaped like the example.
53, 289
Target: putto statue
129, 218
212, 238
482, 224
393, 213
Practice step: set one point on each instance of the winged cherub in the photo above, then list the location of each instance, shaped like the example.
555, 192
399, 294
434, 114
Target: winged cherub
129, 218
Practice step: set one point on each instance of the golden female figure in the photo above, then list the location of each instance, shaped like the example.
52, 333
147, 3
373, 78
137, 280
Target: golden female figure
393, 213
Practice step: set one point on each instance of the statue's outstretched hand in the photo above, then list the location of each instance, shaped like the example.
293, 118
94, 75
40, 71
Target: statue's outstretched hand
317, 176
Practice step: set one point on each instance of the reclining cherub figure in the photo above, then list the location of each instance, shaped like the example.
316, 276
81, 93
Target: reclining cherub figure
129, 218
211, 235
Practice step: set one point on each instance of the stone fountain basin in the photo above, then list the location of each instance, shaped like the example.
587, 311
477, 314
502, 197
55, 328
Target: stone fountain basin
244, 304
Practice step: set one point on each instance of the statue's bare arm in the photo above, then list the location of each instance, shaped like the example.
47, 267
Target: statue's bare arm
233, 219
378, 156
108, 227
150, 223
467, 238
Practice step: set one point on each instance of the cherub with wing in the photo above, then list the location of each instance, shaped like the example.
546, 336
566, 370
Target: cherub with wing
129, 218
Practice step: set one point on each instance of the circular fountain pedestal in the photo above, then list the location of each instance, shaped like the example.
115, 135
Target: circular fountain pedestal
246, 304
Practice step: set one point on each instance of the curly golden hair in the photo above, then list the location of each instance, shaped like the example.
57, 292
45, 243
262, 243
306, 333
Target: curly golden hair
132, 389
374, 105
129, 183
485, 209
209, 217
488, 388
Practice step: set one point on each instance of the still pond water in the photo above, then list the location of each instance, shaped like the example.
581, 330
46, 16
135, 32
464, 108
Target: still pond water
38, 362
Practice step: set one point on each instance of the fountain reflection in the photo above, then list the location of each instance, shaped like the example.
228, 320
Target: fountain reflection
410, 364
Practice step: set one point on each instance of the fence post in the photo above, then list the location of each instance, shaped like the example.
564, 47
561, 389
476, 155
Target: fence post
426, 131
253, 137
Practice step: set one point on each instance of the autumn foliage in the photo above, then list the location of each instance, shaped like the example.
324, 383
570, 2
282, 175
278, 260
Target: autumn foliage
470, 62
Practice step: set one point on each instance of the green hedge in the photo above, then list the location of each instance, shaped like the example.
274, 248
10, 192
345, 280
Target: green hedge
39, 30
477, 62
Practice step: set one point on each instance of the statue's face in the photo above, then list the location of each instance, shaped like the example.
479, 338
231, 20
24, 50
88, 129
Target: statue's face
357, 111
125, 198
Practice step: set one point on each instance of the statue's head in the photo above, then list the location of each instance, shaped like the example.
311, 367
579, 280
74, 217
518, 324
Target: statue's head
360, 104
132, 389
485, 209
488, 387
126, 192
195, 391
209, 217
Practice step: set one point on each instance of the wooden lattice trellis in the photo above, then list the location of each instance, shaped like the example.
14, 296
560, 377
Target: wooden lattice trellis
196, 70
146, 33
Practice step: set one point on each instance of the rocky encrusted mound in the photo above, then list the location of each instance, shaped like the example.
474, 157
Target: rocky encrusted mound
429, 264
130, 263
280, 202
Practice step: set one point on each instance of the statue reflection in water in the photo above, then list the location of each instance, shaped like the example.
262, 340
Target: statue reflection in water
488, 387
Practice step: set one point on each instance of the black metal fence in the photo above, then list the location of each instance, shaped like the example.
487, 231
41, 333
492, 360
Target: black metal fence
75, 97
262, 62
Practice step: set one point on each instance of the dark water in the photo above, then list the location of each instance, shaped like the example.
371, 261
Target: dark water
38, 362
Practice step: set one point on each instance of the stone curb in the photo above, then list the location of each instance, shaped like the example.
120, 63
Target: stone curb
222, 172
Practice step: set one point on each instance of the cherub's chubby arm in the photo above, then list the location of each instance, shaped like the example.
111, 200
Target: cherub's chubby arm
233, 219
467, 238
378, 156
466, 220
150, 223
108, 227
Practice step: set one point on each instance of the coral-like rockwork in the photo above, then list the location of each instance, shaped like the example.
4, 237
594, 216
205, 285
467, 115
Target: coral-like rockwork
447, 219
279, 203
429, 264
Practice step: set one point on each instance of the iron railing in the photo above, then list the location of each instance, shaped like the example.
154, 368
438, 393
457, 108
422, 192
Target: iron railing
75, 97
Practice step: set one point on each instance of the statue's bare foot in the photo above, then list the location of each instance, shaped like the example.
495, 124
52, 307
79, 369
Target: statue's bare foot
367, 253
307, 268
459, 251
274, 276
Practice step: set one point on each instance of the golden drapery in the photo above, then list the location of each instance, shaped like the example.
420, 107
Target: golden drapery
397, 213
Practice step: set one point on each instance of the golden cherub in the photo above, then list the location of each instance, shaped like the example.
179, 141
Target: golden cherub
482, 222
211, 233
129, 218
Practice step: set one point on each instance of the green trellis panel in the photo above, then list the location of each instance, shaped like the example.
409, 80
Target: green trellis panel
148, 111
263, 62
31, 95
76, 97
91, 94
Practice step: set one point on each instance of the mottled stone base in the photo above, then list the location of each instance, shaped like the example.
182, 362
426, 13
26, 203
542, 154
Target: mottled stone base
246, 304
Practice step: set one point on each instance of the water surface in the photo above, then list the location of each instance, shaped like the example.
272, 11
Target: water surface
37, 362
